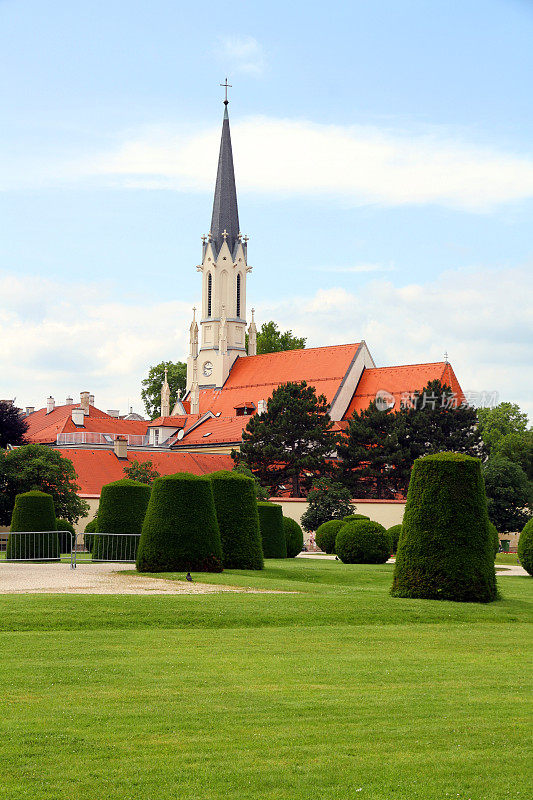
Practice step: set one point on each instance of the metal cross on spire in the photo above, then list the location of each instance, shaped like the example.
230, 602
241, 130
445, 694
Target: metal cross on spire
226, 86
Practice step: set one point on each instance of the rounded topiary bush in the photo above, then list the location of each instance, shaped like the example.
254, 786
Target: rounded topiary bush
525, 547
65, 533
354, 517
327, 533
88, 535
294, 537
238, 520
121, 511
446, 550
363, 542
33, 511
272, 533
394, 534
495, 538
180, 530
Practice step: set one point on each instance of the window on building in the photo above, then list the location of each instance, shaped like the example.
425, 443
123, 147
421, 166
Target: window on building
156, 436
209, 293
238, 295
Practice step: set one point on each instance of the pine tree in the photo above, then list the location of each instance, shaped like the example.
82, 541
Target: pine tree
292, 441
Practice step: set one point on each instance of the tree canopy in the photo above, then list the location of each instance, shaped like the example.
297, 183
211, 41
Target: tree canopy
151, 385
35, 466
13, 426
497, 422
142, 472
289, 444
509, 494
328, 501
271, 340
381, 445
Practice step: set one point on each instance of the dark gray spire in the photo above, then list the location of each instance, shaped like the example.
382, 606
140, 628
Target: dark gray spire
225, 213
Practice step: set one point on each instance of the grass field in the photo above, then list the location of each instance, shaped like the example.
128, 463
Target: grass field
335, 692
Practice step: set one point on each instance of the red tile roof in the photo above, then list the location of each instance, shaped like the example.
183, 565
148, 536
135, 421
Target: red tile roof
168, 422
398, 381
44, 428
97, 467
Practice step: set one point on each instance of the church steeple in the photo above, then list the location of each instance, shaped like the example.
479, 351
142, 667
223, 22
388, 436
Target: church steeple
225, 217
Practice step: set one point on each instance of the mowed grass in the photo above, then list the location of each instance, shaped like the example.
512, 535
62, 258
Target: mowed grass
335, 691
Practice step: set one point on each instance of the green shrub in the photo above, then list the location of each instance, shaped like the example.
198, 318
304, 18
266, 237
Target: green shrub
394, 533
122, 509
327, 533
363, 542
238, 520
354, 517
525, 547
180, 530
446, 549
88, 536
33, 511
272, 533
65, 539
494, 538
294, 537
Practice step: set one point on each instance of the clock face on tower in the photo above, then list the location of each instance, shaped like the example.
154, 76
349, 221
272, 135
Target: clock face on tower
207, 369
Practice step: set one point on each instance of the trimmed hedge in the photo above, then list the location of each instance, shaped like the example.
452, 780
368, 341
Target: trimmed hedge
272, 533
525, 547
238, 520
327, 533
180, 530
122, 509
363, 542
394, 533
65, 539
354, 517
33, 511
294, 537
446, 550
88, 537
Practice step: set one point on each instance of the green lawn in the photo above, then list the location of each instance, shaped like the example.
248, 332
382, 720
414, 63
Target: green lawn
335, 692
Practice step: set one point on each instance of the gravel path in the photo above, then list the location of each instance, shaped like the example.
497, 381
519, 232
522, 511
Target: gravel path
96, 579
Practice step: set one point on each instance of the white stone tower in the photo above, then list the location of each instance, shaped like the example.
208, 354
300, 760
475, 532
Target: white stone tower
224, 268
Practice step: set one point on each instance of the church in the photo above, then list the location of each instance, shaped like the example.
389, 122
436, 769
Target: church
227, 382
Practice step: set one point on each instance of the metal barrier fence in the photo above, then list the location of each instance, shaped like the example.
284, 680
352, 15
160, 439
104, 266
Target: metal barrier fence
44, 546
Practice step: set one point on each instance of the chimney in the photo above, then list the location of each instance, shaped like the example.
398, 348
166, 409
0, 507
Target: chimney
120, 446
261, 407
91, 399
78, 417
29, 410
69, 401
50, 404
113, 412
84, 402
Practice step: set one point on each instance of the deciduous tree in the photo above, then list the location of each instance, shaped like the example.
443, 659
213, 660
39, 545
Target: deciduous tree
13, 426
271, 340
151, 385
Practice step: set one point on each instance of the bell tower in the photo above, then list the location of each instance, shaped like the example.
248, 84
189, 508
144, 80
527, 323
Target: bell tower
222, 326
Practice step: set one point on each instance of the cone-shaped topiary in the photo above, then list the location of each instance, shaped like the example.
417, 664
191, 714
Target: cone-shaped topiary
88, 536
65, 531
525, 547
394, 534
271, 527
122, 509
180, 530
354, 517
294, 537
33, 511
327, 533
446, 548
238, 520
363, 542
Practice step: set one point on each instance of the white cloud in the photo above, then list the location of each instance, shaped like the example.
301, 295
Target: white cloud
241, 54
354, 164
357, 268
79, 338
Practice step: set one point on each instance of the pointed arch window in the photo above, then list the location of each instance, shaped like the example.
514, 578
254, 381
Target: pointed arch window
209, 293
238, 295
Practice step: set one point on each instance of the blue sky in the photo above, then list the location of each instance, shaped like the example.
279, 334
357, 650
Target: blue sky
384, 166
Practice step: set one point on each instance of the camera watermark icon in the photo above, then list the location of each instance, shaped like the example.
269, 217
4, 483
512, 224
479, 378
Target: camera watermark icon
384, 400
